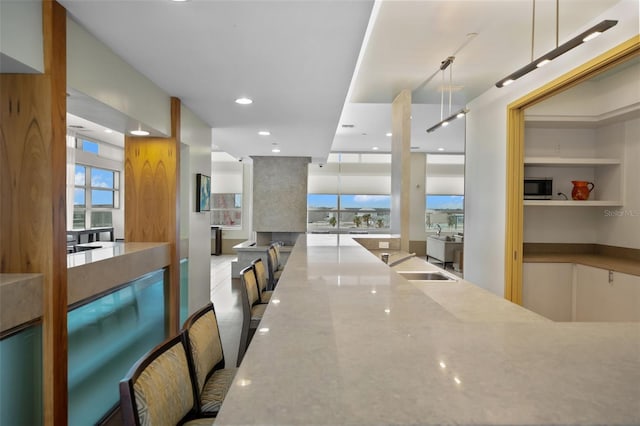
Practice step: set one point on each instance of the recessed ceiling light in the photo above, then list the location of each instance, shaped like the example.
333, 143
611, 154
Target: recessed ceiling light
108, 131
276, 150
389, 134
440, 149
264, 133
139, 132
244, 101
348, 126
375, 148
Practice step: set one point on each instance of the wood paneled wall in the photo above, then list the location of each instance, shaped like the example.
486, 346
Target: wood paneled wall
152, 171
33, 190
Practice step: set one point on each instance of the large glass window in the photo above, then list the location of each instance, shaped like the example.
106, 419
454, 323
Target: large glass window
365, 211
96, 195
322, 212
226, 210
444, 212
347, 212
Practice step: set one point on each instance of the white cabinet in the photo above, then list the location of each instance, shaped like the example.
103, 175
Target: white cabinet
547, 289
598, 298
572, 292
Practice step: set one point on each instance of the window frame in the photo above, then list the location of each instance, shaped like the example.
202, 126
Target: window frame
88, 208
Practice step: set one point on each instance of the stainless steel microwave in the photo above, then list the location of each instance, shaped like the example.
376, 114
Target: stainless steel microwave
538, 188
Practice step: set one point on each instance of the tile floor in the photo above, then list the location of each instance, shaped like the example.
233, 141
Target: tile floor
225, 295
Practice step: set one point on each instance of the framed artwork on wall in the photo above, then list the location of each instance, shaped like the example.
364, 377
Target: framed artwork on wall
203, 193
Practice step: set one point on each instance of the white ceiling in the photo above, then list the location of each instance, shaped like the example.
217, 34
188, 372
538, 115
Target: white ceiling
296, 60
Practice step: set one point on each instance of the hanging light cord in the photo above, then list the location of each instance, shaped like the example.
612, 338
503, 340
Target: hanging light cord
450, 85
557, 21
533, 27
442, 98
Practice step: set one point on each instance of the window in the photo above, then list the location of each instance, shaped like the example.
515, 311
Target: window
322, 212
96, 195
226, 210
89, 146
445, 212
347, 212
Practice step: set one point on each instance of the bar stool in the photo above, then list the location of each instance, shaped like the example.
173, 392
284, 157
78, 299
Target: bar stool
273, 264
206, 360
252, 309
262, 280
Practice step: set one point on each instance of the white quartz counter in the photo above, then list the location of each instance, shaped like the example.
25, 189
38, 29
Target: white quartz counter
349, 341
89, 273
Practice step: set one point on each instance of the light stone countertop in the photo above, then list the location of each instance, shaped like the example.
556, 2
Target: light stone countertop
17, 295
352, 342
89, 273
626, 266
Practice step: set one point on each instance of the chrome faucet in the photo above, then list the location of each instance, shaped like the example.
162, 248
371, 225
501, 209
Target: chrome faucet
439, 229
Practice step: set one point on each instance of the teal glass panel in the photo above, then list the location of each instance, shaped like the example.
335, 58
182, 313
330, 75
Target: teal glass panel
21, 378
184, 290
106, 337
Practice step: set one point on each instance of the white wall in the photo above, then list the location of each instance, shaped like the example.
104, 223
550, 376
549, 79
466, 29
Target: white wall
197, 135
606, 94
96, 71
21, 49
621, 226
485, 172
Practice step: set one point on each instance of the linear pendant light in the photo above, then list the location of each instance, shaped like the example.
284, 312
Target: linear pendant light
583, 37
448, 120
459, 114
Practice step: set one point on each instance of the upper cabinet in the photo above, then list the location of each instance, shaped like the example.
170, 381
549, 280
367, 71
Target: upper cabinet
579, 135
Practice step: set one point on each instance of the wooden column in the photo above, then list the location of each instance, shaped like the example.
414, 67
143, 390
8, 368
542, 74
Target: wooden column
152, 185
33, 190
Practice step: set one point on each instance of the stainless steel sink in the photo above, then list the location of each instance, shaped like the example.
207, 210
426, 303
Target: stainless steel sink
425, 276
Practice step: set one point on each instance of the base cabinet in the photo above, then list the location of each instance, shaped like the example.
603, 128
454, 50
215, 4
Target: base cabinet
547, 289
572, 292
600, 297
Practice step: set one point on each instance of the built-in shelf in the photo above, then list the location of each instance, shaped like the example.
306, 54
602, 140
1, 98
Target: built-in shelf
572, 162
573, 203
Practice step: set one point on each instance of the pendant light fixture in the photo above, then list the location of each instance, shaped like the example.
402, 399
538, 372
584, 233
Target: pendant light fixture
543, 60
444, 122
139, 131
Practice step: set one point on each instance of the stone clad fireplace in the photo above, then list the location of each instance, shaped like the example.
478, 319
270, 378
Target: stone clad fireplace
279, 199
279, 207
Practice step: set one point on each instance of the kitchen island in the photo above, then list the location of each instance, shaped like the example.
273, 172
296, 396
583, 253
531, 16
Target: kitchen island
347, 340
